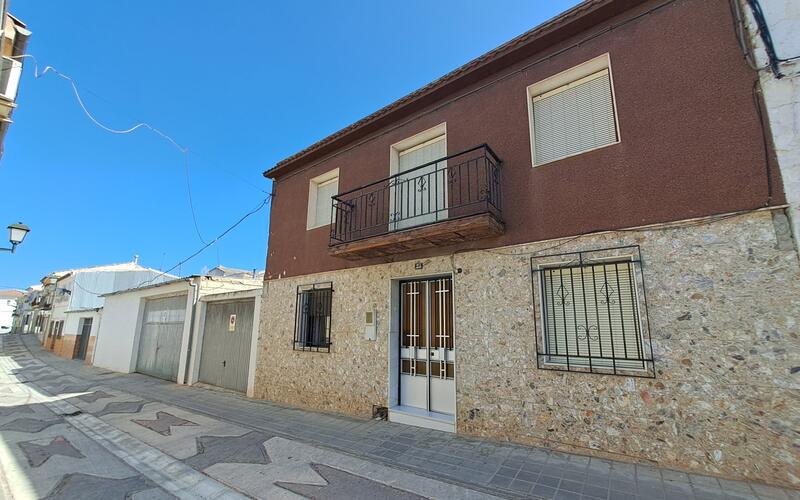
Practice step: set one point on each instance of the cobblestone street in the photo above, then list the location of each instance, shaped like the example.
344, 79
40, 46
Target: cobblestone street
71, 431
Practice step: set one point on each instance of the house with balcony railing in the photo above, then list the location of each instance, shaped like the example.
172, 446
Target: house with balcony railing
577, 240
447, 199
12, 46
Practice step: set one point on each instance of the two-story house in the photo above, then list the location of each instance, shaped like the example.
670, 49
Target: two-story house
13, 40
24, 311
40, 297
78, 297
577, 240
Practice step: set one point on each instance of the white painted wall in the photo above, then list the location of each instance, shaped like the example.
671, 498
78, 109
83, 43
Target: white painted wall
782, 96
7, 306
58, 313
117, 341
74, 321
117, 338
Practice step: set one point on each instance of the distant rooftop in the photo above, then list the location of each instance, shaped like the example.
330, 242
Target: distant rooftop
124, 266
232, 272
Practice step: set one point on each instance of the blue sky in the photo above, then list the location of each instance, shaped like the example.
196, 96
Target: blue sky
241, 87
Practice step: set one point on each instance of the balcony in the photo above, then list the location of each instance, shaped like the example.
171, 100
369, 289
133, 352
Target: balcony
453, 199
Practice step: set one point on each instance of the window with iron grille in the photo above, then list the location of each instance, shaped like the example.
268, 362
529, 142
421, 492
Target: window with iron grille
590, 312
313, 317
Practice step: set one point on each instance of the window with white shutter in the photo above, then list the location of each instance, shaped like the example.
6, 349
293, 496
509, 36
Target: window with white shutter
591, 317
320, 191
573, 112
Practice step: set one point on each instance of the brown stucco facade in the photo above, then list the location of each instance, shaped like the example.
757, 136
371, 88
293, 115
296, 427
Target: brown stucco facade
692, 183
690, 141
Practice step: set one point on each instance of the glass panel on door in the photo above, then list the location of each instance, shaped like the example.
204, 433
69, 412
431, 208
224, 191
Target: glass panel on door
427, 351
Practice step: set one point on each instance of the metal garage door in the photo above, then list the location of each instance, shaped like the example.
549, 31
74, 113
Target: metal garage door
228, 330
160, 338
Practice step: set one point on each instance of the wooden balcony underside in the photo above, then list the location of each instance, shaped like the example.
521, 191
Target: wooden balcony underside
439, 234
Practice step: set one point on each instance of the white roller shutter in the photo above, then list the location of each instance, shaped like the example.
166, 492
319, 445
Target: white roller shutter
574, 118
591, 312
325, 191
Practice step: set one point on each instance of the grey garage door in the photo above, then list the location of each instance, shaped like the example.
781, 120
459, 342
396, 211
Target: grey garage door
160, 338
225, 357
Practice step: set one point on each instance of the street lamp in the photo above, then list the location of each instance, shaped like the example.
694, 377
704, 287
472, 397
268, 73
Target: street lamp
16, 233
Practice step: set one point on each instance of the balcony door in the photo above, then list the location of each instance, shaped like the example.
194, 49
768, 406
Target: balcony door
419, 196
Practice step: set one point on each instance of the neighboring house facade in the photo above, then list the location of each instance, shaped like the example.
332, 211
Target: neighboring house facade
771, 42
232, 272
8, 307
576, 240
24, 310
187, 330
12, 45
78, 302
40, 300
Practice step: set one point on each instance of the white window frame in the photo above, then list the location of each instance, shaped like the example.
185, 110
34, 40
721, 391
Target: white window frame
12, 85
571, 76
415, 141
436, 133
313, 188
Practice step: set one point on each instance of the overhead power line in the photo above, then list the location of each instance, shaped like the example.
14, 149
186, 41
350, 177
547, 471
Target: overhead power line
181, 149
141, 125
261, 205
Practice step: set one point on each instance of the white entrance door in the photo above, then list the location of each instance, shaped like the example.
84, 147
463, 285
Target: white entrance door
419, 197
427, 351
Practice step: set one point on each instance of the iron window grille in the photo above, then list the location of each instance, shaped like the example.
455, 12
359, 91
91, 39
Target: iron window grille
590, 312
312, 331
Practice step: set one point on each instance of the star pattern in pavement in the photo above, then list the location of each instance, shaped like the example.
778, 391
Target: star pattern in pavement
89, 487
29, 424
163, 422
121, 407
342, 484
8, 410
36, 378
74, 388
94, 396
37, 454
245, 449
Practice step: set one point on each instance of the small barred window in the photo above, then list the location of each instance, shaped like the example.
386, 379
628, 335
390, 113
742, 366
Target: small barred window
313, 317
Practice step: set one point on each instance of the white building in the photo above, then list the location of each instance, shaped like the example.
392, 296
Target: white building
8, 305
78, 302
187, 330
771, 43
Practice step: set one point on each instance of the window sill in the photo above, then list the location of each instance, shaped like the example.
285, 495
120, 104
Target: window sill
307, 348
600, 367
535, 165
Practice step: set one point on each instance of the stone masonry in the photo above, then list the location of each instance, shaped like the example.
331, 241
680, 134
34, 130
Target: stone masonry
724, 305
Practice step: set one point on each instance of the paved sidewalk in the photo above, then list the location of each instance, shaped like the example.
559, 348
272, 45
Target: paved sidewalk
327, 441
79, 437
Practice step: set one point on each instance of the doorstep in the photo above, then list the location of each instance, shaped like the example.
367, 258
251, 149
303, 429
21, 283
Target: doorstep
409, 415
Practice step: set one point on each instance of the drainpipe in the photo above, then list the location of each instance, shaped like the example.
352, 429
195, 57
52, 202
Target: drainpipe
195, 296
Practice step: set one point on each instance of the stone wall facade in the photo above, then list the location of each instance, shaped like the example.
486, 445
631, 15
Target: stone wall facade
723, 299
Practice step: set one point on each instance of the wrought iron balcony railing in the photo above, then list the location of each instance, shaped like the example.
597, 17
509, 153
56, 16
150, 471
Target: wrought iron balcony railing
454, 187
